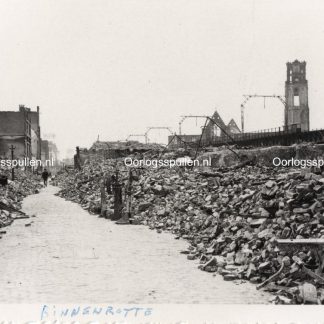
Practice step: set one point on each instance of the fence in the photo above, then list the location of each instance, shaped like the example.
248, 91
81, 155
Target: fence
255, 135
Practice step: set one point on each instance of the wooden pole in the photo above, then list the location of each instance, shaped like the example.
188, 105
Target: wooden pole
12, 148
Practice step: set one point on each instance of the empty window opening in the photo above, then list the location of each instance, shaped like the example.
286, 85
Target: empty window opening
296, 100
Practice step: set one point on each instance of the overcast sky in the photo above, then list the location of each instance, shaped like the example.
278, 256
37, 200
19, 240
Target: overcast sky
114, 68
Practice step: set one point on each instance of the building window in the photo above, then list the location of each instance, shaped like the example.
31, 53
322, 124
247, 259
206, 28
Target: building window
296, 101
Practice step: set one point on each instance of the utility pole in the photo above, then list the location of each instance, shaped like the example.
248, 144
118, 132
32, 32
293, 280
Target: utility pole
133, 135
149, 128
12, 148
188, 116
248, 97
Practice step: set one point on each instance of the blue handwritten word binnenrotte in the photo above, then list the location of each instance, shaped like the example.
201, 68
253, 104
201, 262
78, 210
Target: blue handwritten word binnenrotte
48, 312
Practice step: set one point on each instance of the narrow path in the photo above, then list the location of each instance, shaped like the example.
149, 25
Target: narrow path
67, 255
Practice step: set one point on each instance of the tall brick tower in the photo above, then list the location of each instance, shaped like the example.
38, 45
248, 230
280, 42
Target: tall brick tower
297, 110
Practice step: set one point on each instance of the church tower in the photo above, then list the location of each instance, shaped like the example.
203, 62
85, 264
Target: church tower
297, 110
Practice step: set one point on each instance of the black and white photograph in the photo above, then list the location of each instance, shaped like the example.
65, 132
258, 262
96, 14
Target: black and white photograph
161, 161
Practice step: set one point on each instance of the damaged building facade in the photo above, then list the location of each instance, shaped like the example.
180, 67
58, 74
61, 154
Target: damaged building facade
296, 93
21, 130
35, 133
215, 130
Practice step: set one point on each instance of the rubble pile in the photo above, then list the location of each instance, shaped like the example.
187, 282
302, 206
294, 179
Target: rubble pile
126, 146
232, 219
13, 192
83, 187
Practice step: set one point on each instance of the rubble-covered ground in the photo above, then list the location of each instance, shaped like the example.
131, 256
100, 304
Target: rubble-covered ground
12, 194
231, 217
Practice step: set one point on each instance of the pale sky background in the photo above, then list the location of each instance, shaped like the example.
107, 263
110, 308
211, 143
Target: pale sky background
114, 68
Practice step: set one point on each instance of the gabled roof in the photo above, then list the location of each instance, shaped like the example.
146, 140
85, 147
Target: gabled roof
217, 118
232, 127
232, 123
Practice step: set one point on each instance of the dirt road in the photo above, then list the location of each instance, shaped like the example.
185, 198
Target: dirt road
67, 255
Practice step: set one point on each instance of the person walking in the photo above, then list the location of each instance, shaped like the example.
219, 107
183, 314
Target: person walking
45, 175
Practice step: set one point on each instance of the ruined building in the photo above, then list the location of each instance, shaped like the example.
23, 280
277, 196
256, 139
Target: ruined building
213, 132
232, 127
15, 129
35, 134
296, 92
22, 130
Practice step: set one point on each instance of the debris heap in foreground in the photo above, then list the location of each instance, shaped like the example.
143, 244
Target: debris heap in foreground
232, 218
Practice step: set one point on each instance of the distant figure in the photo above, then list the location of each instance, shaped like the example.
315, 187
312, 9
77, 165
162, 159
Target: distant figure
45, 177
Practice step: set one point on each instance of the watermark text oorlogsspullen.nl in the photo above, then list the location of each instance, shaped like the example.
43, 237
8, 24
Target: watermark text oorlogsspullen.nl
155, 163
26, 162
302, 163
